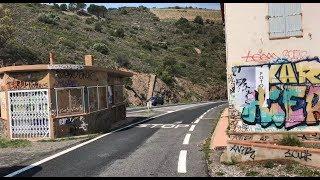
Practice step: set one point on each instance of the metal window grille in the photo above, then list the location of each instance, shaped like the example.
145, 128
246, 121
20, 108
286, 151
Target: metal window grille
70, 101
29, 114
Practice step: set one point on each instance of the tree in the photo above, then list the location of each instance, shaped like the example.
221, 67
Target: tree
63, 7
56, 6
198, 20
97, 10
81, 6
6, 26
72, 6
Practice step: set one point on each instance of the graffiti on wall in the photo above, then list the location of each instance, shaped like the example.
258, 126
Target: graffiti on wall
282, 95
76, 122
264, 57
243, 150
301, 155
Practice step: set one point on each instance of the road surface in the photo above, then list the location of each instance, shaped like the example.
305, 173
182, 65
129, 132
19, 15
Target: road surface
167, 145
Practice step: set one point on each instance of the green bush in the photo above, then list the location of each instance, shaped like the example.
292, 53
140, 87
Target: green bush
102, 48
98, 26
203, 63
147, 45
122, 60
182, 21
198, 19
289, 140
49, 18
119, 33
123, 11
63, 7
269, 164
90, 20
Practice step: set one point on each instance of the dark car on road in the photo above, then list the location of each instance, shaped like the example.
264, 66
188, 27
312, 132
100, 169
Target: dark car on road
156, 100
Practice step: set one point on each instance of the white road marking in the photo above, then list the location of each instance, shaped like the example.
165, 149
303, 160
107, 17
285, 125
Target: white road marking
182, 125
87, 142
197, 121
186, 139
170, 111
182, 162
192, 127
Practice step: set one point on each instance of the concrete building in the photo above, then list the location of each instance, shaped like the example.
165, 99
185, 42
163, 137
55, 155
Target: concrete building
59, 100
273, 67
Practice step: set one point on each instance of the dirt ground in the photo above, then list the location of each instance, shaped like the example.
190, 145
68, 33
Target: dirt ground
268, 168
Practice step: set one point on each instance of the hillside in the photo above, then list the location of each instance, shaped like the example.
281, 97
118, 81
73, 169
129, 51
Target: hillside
189, 14
131, 38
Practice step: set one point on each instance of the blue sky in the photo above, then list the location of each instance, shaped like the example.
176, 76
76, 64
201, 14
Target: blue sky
159, 5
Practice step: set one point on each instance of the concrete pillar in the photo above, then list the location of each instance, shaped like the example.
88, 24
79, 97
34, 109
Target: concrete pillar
52, 58
88, 60
152, 82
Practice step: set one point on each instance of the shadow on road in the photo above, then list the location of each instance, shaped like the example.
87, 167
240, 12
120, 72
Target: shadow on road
7, 170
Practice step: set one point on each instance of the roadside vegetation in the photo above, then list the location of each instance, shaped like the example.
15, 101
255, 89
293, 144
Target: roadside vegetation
132, 38
16, 143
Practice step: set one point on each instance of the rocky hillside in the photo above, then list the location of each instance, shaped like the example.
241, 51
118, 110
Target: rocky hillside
187, 57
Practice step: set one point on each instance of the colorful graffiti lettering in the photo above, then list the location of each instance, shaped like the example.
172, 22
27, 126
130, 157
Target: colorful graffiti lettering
288, 98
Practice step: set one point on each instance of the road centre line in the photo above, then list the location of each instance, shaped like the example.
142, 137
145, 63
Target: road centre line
192, 127
182, 162
94, 139
186, 139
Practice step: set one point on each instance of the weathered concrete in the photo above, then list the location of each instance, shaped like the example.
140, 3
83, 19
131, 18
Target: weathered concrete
240, 151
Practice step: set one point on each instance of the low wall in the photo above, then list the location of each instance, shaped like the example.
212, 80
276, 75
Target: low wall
96, 122
306, 137
240, 151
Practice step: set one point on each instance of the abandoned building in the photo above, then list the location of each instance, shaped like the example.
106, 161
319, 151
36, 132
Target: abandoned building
273, 71
47, 101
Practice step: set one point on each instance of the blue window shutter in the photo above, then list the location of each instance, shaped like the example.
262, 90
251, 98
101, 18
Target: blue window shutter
293, 19
277, 23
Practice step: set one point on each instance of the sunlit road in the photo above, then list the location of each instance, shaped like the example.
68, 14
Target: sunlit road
167, 145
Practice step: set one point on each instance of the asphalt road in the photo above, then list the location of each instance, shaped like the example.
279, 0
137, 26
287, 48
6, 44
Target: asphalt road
152, 148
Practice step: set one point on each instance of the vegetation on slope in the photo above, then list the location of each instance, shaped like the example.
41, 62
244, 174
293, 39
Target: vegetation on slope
133, 38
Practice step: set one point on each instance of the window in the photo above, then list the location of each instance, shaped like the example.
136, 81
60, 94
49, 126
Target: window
285, 20
97, 98
69, 101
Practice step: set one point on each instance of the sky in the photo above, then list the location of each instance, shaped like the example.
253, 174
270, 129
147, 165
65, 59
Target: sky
215, 6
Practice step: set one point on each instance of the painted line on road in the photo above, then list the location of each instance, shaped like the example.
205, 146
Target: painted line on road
192, 128
197, 121
87, 142
182, 162
186, 139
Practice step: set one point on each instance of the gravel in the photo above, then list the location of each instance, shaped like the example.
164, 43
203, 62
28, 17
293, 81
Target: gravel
277, 169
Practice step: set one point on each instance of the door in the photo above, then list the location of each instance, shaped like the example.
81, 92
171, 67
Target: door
29, 114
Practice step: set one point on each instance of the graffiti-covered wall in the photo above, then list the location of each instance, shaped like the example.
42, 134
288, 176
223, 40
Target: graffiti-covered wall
273, 84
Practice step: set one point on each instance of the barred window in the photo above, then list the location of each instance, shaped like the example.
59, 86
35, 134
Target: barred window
69, 101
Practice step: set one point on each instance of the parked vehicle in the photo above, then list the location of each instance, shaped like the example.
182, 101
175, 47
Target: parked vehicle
157, 100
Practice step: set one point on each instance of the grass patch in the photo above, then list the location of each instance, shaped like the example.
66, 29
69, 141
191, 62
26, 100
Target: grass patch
231, 163
289, 140
16, 143
219, 173
206, 145
252, 173
206, 149
269, 164
301, 170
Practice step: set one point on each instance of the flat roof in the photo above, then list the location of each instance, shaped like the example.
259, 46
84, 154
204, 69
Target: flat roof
45, 67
